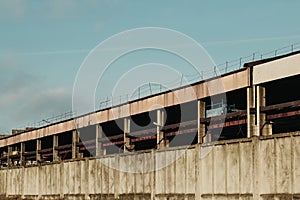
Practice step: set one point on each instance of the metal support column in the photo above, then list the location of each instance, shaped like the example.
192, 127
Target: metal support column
201, 127
161, 140
38, 148
127, 141
9, 152
54, 148
22, 150
251, 130
99, 134
75, 140
263, 127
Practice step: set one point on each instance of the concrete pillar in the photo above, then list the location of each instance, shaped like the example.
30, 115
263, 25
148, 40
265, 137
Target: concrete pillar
99, 147
38, 148
22, 150
207, 137
54, 151
9, 152
161, 140
75, 140
22, 183
263, 128
116, 181
201, 127
257, 170
86, 187
127, 141
62, 178
251, 124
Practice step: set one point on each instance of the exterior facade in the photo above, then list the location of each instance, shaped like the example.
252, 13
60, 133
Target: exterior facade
246, 121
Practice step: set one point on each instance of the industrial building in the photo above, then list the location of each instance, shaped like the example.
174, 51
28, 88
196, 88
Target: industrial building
254, 129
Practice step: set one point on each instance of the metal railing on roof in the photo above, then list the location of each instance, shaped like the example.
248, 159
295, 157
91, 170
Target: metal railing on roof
44, 122
223, 68
152, 89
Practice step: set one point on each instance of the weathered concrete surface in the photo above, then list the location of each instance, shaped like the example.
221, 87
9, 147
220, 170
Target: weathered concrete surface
261, 73
256, 168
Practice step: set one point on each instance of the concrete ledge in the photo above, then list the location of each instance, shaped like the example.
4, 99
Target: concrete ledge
72, 196
13, 197
102, 197
135, 196
280, 135
228, 196
31, 197
174, 196
283, 196
50, 197
222, 142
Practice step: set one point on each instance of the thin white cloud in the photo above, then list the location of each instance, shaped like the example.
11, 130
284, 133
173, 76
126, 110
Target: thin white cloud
228, 42
61, 9
25, 98
12, 9
40, 53
79, 51
12, 97
33, 106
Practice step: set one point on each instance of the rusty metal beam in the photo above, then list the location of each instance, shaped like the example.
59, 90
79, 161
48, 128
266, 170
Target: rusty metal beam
43, 151
62, 147
283, 115
293, 104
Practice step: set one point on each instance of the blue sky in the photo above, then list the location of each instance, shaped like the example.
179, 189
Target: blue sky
43, 43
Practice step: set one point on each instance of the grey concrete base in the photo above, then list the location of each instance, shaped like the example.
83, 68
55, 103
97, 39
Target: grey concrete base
263, 168
158, 197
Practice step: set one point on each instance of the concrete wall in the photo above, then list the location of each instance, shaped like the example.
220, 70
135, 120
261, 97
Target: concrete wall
256, 168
